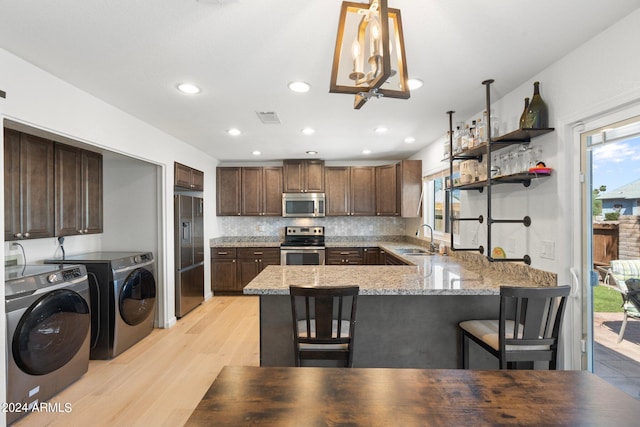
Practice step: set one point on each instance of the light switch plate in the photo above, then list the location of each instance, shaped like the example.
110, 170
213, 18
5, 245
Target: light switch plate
548, 250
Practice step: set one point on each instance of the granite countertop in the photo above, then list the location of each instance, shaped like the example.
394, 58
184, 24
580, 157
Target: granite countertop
247, 244
461, 274
429, 275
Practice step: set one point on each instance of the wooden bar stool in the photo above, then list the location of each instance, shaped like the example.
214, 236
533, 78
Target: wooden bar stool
324, 322
534, 337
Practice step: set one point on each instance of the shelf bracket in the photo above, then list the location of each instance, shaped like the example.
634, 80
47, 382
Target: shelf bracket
526, 259
526, 221
480, 219
478, 249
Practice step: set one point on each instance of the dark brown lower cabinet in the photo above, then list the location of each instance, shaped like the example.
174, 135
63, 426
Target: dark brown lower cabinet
251, 261
344, 256
233, 268
371, 256
223, 270
390, 259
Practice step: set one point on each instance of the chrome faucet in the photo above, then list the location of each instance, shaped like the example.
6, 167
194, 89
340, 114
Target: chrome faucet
432, 247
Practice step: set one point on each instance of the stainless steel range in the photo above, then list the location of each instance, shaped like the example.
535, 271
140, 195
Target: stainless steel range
302, 246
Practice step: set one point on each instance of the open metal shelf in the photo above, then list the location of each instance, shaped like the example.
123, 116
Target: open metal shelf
482, 152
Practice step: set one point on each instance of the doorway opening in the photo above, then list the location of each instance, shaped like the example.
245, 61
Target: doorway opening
611, 167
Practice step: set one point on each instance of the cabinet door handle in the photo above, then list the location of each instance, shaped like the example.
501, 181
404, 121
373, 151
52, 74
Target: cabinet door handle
26, 235
18, 235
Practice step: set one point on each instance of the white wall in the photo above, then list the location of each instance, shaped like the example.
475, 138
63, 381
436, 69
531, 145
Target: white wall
601, 76
41, 101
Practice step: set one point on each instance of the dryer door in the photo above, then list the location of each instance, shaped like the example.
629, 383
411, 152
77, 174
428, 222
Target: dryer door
137, 297
50, 332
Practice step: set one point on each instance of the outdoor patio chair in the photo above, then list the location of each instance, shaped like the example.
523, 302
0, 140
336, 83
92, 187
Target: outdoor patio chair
624, 277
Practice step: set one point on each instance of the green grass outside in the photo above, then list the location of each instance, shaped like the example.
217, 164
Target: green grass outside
606, 300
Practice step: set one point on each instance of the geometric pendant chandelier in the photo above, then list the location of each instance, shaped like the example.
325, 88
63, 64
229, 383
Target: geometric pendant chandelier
369, 59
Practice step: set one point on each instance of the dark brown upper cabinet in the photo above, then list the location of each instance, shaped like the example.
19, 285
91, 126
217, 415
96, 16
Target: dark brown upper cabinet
387, 196
262, 191
228, 191
28, 186
78, 191
187, 178
350, 190
398, 189
304, 176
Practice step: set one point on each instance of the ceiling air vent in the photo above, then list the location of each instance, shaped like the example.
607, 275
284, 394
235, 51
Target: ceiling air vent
268, 117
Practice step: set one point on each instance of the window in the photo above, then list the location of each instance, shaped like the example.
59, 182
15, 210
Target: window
438, 205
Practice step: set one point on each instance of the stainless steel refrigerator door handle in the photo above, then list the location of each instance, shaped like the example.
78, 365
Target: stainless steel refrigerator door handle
186, 231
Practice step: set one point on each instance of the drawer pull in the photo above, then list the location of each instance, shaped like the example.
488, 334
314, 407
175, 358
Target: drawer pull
223, 253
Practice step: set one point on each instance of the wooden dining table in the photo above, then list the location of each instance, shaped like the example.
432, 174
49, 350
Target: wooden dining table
275, 396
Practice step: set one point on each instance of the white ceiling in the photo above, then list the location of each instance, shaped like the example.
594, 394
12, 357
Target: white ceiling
243, 53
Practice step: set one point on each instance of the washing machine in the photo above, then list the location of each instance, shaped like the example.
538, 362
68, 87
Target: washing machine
123, 298
48, 332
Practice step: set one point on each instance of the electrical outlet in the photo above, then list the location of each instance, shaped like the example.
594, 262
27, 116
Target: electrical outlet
10, 261
548, 250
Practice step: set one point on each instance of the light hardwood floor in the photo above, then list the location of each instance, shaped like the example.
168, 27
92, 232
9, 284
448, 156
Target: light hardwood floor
160, 380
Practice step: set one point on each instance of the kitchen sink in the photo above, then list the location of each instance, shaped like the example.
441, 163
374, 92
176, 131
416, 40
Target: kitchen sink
413, 251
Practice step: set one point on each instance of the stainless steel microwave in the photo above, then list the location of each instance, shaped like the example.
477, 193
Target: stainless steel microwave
303, 205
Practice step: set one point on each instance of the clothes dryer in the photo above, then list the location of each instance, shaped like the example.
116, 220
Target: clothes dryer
48, 332
123, 298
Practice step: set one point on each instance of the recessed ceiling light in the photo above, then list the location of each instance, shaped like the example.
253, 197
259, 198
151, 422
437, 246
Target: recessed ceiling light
188, 88
415, 84
381, 129
300, 87
409, 140
366, 151
234, 132
256, 153
308, 131
312, 153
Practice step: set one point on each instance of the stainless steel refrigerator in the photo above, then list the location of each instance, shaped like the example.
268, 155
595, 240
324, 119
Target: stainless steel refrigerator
189, 240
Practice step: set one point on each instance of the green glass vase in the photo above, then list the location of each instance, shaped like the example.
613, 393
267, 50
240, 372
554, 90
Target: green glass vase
537, 114
523, 116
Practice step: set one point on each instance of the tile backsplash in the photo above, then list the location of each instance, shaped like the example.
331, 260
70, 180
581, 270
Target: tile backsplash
334, 226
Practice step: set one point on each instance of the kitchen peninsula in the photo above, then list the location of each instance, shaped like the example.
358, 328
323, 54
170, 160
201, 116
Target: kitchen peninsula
407, 316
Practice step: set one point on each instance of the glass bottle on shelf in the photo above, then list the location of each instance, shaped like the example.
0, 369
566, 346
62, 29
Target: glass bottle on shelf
505, 165
521, 161
446, 145
472, 134
529, 158
495, 127
523, 116
457, 140
496, 165
464, 139
537, 113
481, 130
